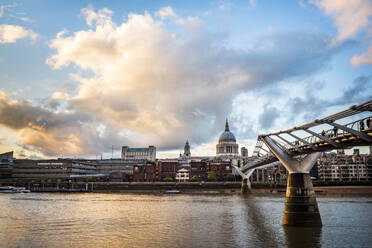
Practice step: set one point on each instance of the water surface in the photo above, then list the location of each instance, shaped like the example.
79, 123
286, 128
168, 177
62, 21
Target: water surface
127, 220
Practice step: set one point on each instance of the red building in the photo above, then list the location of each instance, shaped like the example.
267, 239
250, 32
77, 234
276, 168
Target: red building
167, 168
198, 169
220, 168
144, 172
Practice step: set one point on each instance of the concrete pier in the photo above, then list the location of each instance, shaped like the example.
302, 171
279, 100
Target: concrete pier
301, 207
246, 186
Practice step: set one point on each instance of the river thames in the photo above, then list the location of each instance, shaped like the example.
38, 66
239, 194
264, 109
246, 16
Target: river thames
127, 220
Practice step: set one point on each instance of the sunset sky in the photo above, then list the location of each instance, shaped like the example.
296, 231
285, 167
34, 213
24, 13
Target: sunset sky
78, 77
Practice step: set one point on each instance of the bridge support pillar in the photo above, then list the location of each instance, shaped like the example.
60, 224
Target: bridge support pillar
301, 207
246, 186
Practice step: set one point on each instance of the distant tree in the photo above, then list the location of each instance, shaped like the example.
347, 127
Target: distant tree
193, 179
167, 179
212, 176
229, 177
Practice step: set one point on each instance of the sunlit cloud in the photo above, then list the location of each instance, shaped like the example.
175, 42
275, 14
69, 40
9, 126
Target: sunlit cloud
166, 12
350, 19
151, 81
12, 33
140, 82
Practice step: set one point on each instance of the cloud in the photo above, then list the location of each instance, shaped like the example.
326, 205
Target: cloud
11, 33
22, 18
283, 106
2, 139
147, 85
350, 19
13, 14
51, 133
102, 17
167, 87
59, 95
311, 106
364, 58
268, 117
3, 8
166, 12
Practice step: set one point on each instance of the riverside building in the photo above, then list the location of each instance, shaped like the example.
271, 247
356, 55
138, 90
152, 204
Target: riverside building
136, 164
227, 143
130, 153
345, 168
52, 169
6, 164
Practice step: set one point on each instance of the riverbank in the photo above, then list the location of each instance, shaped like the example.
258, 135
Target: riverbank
186, 188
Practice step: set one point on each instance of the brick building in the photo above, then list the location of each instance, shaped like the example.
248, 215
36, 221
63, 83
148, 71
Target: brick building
144, 172
167, 168
198, 169
221, 168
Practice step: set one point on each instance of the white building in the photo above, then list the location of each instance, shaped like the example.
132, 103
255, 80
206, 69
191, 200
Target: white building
182, 175
129, 153
227, 143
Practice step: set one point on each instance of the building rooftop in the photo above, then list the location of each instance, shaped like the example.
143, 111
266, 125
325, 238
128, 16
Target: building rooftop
138, 149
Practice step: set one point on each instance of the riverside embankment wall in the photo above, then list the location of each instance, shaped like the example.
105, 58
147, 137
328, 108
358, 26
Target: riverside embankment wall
184, 187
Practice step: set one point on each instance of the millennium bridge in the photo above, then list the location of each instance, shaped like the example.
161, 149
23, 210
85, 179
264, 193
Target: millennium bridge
298, 149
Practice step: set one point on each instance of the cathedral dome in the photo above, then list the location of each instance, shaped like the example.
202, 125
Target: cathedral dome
227, 136
227, 143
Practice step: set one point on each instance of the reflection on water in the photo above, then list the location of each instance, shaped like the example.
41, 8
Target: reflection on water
306, 236
118, 220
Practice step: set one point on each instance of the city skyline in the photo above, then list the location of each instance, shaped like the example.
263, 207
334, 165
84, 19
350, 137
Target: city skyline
80, 77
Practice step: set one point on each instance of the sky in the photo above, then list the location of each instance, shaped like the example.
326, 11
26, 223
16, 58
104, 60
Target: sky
83, 78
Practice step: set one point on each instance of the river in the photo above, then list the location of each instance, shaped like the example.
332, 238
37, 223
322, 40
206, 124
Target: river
128, 220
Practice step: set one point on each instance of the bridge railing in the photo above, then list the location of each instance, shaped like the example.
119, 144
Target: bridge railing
335, 133
332, 134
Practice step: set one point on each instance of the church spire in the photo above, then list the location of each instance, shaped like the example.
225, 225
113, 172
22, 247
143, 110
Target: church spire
227, 129
186, 149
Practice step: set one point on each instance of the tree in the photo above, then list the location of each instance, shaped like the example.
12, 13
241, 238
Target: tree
229, 177
212, 176
167, 179
193, 179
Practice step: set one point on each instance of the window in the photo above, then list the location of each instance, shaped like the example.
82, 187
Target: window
228, 149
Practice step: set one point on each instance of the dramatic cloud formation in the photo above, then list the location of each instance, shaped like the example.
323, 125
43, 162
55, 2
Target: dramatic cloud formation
55, 133
149, 85
350, 18
12, 33
311, 106
170, 87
